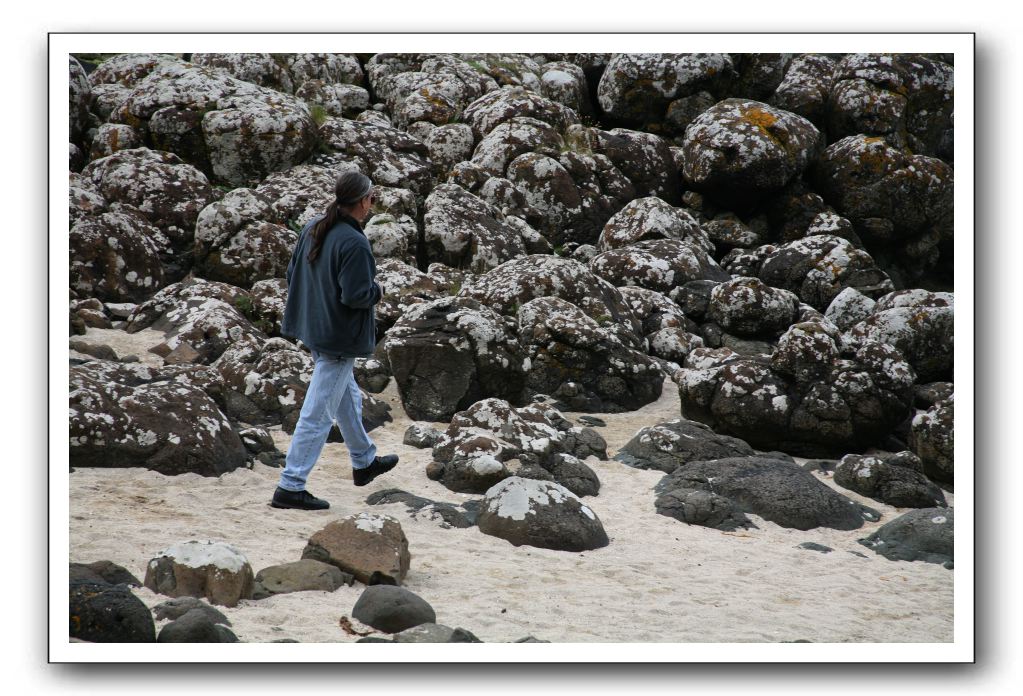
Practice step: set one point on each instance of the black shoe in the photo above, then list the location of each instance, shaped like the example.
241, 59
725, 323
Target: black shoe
380, 465
297, 500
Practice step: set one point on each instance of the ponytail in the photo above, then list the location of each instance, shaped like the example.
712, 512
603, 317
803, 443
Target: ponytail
352, 186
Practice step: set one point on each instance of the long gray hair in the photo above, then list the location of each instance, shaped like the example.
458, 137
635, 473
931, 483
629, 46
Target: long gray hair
352, 186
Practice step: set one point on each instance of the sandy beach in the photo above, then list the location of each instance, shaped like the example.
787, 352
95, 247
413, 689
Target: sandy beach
659, 580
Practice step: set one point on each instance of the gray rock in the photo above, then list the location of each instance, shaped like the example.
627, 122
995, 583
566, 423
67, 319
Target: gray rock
102, 572
435, 633
894, 479
813, 546
702, 508
542, 514
214, 570
299, 576
392, 609
195, 626
666, 446
102, 613
421, 436
174, 609
779, 491
919, 535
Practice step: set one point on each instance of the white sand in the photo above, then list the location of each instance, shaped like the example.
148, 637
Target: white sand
659, 580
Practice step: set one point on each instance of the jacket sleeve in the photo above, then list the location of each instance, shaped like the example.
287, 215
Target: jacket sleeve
358, 289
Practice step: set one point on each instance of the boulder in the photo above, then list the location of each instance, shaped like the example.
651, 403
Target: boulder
129, 414
114, 257
128, 69
651, 218
392, 157
362, 544
214, 570
542, 514
918, 535
894, 479
103, 613
778, 490
261, 69
113, 137
643, 89
920, 324
448, 353
810, 399
819, 267
299, 576
655, 310
435, 633
449, 144
906, 98
502, 105
79, 96
581, 363
332, 68
702, 508
296, 196
462, 231
161, 186
237, 242
667, 446
234, 131
900, 204
101, 572
932, 438
806, 87
849, 308
174, 609
447, 514
513, 284
392, 609
565, 82
748, 307
339, 100
740, 148
657, 264
195, 626
84, 199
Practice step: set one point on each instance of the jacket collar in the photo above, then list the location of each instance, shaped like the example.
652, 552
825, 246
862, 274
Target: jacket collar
348, 219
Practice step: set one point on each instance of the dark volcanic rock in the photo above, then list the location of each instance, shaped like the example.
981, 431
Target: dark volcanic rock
702, 508
447, 354
195, 626
666, 446
895, 479
113, 257
102, 613
777, 490
919, 535
299, 576
102, 571
657, 264
749, 307
542, 514
932, 438
174, 609
392, 609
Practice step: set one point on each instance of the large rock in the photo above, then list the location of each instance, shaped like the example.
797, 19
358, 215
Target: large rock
133, 415
261, 69
463, 231
581, 363
900, 204
932, 438
809, 398
920, 324
741, 147
651, 218
749, 307
113, 137
542, 514
819, 267
657, 264
102, 572
667, 446
79, 96
195, 627
103, 613
502, 105
906, 98
113, 257
296, 196
806, 87
232, 130
160, 185
919, 535
511, 285
644, 89
362, 544
237, 242
392, 609
895, 479
214, 570
392, 157
778, 490
449, 353
491, 441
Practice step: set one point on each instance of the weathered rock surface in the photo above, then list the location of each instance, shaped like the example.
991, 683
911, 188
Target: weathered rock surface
896, 479
299, 576
103, 613
363, 544
392, 609
666, 446
932, 438
214, 570
542, 514
778, 490
919, 535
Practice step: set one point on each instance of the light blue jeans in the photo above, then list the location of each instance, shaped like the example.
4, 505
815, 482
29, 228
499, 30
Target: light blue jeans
332, 396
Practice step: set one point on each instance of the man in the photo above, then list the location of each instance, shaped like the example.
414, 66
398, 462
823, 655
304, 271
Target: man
331, 294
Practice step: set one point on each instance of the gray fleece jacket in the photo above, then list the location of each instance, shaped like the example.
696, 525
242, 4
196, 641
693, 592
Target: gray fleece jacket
330, 301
